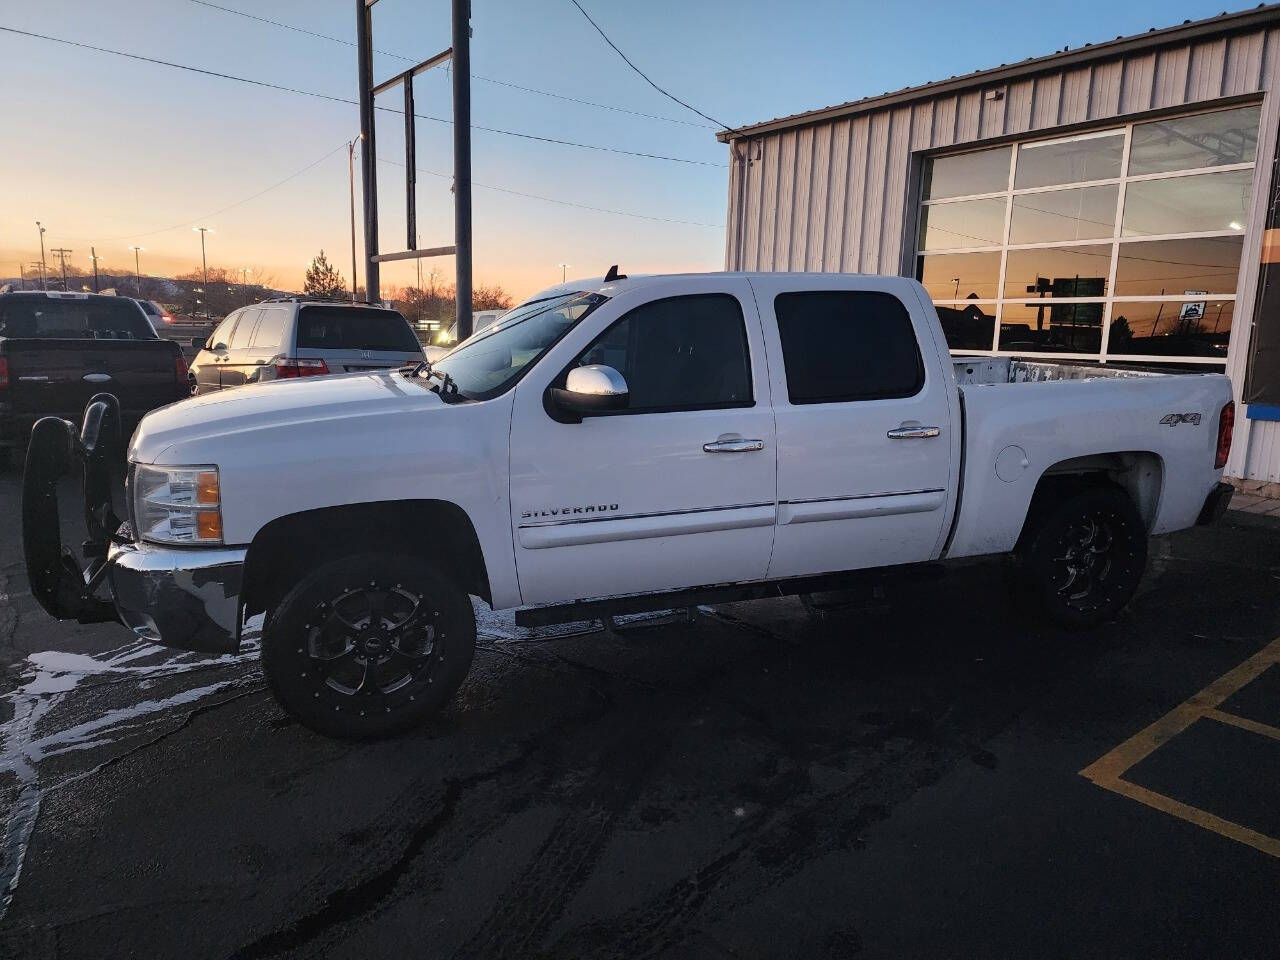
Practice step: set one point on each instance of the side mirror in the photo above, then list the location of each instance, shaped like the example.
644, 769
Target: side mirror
590, 390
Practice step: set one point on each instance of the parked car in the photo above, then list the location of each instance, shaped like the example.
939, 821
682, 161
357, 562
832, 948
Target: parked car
157, 314
480, 320
59, 349
286, 338
654, 441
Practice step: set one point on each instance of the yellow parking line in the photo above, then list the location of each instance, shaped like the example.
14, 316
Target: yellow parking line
1107, 770
1244, 723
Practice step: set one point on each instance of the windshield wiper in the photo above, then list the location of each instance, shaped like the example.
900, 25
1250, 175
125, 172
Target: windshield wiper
448, 388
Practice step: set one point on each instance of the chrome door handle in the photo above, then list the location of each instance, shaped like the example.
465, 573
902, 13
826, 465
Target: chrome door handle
912, 433
732, 446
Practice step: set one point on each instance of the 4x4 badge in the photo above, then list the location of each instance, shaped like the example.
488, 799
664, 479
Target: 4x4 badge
1173, 419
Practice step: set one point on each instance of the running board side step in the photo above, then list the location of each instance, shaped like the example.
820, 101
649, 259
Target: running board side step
724, 593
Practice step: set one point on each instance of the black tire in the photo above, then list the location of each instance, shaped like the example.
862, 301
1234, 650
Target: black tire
1080, 560
369, 645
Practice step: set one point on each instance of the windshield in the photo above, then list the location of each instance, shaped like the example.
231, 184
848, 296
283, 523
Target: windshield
493, 360
148, 308
98, 318
355, 328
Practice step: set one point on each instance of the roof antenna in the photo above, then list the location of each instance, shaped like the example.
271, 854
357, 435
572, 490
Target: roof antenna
613, 275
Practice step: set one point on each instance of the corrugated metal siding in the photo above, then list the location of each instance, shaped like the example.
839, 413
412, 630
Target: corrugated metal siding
834, 195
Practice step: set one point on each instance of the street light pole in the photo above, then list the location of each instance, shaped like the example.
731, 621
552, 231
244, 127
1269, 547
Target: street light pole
93, 255
44, 283
137, 269
564, 269
204, 263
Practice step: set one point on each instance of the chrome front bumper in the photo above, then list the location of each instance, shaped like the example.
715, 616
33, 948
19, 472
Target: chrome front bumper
186, 598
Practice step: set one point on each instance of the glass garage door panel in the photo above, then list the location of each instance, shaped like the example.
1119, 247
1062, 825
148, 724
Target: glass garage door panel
960, 276
1081, 213
1206, 202
1075, 160
967, 174
965, 223
1189, 143
1046, 327
1058, 271
1200, 328
1157, 268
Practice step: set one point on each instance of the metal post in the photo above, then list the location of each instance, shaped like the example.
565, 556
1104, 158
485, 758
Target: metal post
410, 165
22, 278
368, 155
61, 254
351, 184
137, 267
462, 162
93, 255
204, 269
44, 282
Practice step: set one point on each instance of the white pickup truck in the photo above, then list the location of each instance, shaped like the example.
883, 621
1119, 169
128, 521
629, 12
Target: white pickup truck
614, 445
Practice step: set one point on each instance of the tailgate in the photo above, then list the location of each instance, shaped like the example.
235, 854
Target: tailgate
48, 376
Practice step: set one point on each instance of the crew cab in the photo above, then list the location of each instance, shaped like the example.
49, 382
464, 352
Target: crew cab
623, 444
290, 337
58, 349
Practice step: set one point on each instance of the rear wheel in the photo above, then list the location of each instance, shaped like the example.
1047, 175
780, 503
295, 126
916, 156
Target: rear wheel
369, 645
1080, 560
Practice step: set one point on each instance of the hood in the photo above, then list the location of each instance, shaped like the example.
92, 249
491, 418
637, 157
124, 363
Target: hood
277, 404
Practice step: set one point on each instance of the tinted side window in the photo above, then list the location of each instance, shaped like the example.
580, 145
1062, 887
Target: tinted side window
244, 329
847, 345
222, 333
355, 328
679, 354
270, 330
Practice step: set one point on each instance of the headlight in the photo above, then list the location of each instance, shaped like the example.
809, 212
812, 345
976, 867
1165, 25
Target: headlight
177, 504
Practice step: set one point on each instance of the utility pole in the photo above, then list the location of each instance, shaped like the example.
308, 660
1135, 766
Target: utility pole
368, 172
61, 254
351, 186
44, 282
204, 263
137, 270
93, 255
462, 163
564, 271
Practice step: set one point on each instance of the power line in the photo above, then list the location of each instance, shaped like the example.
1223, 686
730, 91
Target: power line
627, 61
556, 200
474, 76
344, 100
220, 210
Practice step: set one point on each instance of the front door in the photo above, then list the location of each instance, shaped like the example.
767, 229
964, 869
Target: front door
238, 363
677, 489
867, 454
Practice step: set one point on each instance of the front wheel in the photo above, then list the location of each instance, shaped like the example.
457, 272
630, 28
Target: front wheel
369, 645
1080, 560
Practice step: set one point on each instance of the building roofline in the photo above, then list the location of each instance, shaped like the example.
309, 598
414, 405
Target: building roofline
1225, 23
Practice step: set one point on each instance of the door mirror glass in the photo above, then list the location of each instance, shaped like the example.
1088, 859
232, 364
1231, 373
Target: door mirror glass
595, 388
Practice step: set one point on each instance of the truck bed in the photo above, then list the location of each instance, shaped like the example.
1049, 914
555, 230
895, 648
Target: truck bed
981, 371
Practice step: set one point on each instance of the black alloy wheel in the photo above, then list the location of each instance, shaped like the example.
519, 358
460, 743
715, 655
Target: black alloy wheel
369, 645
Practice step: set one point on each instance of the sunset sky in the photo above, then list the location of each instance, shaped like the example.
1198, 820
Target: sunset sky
114, 152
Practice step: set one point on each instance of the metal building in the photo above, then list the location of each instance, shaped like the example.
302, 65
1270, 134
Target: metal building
1108, 204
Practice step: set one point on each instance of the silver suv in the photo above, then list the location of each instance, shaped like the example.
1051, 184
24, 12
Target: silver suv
295, 337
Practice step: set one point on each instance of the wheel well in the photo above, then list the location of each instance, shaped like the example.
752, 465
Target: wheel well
286, 548
1139, 473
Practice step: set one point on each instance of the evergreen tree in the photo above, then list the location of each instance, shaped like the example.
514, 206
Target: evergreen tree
323, 279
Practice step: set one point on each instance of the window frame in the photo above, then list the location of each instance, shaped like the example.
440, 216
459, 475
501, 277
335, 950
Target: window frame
922, 373
1116, 241
562, 376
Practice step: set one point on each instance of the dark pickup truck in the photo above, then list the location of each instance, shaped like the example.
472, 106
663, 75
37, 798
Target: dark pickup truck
59, 349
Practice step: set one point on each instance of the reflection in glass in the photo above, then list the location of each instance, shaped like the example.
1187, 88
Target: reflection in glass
984, 171
1047, 327
1200, 203
1199, 328
1081, 213
1174, 267
1187, 143
968, 327
960, 276
1075, 160
966, 223
1058, 271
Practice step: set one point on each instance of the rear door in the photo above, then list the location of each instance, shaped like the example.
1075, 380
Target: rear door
350, 339
238, 363
866, 454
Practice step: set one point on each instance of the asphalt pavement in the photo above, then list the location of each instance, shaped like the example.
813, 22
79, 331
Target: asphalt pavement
895, 776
